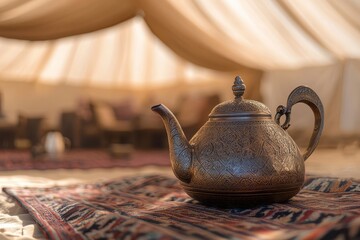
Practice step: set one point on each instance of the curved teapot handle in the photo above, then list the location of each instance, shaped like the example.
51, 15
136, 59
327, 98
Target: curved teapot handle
308, 96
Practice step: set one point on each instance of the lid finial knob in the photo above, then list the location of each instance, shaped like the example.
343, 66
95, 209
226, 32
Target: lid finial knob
238, 87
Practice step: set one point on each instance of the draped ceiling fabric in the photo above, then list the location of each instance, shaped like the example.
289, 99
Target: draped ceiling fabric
291, 42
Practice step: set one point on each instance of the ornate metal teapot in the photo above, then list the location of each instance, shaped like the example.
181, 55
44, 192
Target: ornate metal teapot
241, 156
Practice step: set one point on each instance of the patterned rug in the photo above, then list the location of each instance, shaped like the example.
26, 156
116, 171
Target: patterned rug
81, 159
155, 207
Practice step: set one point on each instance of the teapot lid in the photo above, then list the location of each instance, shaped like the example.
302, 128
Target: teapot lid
240, 107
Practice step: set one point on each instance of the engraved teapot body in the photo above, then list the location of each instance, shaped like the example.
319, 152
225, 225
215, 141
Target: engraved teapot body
241, 156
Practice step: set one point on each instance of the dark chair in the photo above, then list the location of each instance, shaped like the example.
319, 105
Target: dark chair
30, 129
70, 127
7, 134
111, 129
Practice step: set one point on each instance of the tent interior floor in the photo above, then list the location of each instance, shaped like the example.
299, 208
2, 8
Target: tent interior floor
340, 162
343, 162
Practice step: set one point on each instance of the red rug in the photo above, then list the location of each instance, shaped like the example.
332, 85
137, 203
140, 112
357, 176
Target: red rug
81, 159
155, 207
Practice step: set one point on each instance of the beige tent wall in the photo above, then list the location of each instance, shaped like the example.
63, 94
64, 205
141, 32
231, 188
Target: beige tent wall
219, 83
350, 104
49, 101
276, 86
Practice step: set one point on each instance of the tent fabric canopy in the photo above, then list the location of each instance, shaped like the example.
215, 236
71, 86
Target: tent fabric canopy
192, 28
46, 19
290, 42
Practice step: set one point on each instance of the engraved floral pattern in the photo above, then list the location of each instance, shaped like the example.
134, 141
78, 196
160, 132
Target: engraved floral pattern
245, 155
180, 154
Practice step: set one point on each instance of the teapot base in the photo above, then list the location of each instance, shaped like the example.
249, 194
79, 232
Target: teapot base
232, 199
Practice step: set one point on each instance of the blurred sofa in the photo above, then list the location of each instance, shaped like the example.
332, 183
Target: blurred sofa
96, 123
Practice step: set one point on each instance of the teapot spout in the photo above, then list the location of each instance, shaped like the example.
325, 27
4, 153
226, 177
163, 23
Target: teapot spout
179, 147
